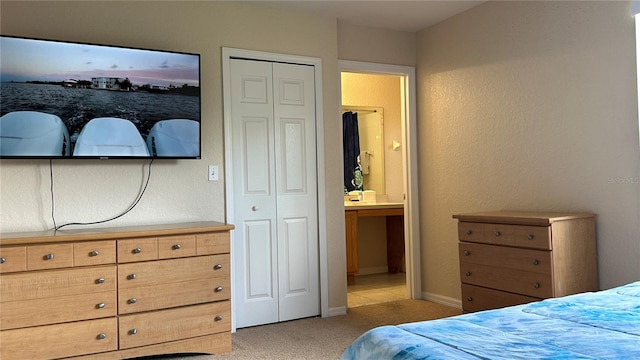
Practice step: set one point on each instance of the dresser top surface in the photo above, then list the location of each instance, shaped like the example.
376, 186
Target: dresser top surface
521, 217
120, 232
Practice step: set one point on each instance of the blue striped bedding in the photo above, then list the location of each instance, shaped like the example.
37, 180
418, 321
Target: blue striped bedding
598, 325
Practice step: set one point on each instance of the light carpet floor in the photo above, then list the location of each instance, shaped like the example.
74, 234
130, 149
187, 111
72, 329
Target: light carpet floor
321, 338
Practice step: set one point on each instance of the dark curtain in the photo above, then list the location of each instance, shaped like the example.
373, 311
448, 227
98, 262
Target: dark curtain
351, 147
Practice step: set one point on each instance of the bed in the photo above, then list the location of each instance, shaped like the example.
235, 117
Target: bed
595, 325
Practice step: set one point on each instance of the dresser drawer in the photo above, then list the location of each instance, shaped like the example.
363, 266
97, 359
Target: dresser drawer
162, 284
476, 298
132, 250
535, 237
50, 256
499, 234
145, 298
56, 283
61, 340
176, 246
94, 253
60, 309
537, 261
468, 231
515, 281
172, 271
174, 324
213, 243
54, 296
13, 259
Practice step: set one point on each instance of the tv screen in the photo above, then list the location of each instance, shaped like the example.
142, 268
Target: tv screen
75, 100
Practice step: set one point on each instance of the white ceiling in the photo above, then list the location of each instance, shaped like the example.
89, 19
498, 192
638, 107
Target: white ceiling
398, 15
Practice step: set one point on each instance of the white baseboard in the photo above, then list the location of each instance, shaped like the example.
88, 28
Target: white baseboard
335, 311
373, 270
443, 300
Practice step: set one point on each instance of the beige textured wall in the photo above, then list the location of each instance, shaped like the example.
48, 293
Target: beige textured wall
362, 43
179, 190
529, 106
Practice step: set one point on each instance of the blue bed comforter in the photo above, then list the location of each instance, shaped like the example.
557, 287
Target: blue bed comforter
599, 325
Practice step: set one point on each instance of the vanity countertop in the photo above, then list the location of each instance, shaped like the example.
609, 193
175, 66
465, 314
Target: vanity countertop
358, 205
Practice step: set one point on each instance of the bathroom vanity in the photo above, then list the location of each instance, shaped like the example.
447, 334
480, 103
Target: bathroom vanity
394, 217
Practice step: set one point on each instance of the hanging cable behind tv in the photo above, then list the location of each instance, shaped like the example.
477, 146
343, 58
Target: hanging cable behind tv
131, 207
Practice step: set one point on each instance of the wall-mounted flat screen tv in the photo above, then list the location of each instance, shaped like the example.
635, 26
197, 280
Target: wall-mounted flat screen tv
74, 100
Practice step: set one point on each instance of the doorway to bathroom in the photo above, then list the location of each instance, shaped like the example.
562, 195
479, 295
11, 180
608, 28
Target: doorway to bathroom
385, 94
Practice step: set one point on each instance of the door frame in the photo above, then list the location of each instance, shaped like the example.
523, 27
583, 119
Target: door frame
227, 54
409, 130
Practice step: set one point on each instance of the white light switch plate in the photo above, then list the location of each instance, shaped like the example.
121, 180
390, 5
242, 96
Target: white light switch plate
213, 173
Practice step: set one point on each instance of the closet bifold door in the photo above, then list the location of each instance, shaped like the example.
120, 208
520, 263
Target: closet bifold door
275, 257
296, 191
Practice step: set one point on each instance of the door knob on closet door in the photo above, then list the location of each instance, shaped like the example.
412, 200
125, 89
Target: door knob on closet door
255, 208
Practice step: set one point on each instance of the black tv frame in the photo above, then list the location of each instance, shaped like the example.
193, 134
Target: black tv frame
167, 92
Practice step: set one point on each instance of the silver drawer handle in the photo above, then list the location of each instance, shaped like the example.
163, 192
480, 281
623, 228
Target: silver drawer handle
131, 276
132, 301
469, 299
536, 262
102, 336
133, 331
48, 257
467, 253
498, 233
176, 247
94, 253
100, 306
217, 267
136, 251
469, 232
100, 281
530, 236
218, 289
3, 260
218, 318
536, 285
468, 273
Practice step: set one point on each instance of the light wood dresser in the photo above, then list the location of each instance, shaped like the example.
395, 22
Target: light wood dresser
115, 293
509, 258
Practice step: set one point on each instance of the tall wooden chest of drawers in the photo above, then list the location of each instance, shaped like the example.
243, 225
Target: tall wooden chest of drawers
115, 293
509, 258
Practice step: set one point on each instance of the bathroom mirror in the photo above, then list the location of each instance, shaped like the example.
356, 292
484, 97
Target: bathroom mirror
371, 134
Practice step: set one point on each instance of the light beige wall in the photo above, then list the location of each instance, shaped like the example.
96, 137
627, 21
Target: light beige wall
178, 191
362, 43
529, 106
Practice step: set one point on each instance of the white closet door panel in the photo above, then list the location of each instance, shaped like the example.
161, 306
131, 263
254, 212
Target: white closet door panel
259, 277
296, 253
259, 257
296, 190
291, 91
257, 159
255, 237
254, 89
293, 152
